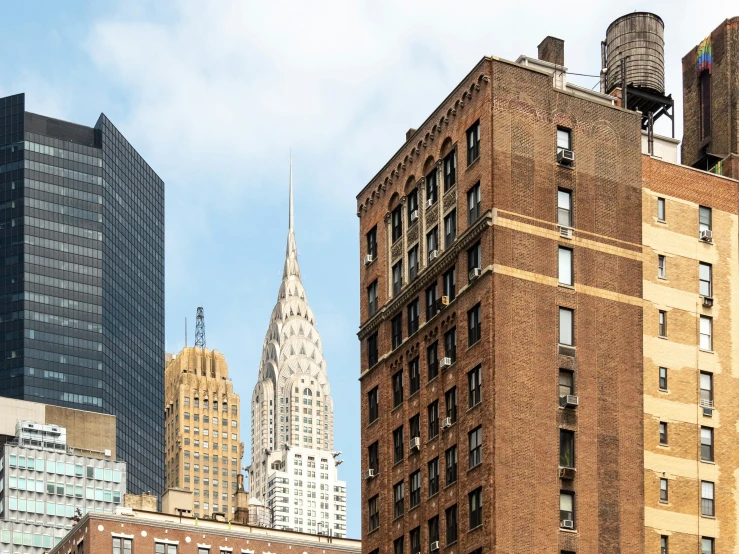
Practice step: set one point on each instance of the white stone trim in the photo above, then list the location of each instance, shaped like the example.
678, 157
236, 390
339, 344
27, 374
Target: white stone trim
165, 541
122, 536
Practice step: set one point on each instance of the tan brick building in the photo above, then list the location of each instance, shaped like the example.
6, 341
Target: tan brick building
203, 448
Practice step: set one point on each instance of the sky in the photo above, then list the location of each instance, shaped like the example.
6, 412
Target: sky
214, 95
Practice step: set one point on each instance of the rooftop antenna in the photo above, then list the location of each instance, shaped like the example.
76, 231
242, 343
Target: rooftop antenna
200, 329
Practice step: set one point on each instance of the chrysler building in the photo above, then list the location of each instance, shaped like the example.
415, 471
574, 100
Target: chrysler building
293, 467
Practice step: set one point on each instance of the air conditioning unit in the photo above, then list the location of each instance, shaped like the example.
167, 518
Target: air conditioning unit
567, 473
433, 255
706, 403
429, 202
369, 474
707, 301
444, 301
446, 423
434, 546
415, 444
708, 412
706, 235
567, 524
565, 232
414, 215
569, 401
368, 259
445, 363
475, 273
565, 157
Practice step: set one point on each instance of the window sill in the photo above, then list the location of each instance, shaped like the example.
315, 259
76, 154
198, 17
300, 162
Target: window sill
707, 351
571, 531
373, 531
396, 408
434, 378
448, 485
663, 337
399, 517
473, 344
711, 462
451, 543
433, 495
666, 391
372, 423
708, 517
566, 286
414, 393
474, 468
663, 445
436, 436
475, 528
661, 278
473, 162
473, 407
661, 221
665, 502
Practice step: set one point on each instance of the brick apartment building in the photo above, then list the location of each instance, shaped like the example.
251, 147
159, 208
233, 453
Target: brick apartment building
512, 300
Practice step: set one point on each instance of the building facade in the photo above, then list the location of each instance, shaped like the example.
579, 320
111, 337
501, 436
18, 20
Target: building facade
203, 448
293, 463
46, 484
83, 293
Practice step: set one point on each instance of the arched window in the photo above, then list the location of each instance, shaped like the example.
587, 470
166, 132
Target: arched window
307, 392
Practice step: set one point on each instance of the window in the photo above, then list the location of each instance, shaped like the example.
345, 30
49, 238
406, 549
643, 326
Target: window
661, 267
450, 170
372, 353
450, 459
432, 242
433, 470
122, 546
396, 220
474, 438
413, 263
474, 258
564, 139
450, 228
415, 425
397, 330
663, 544
372, 299
372, 242
564, 208
397, 389
566, 448
663, 494
706, 391
660, 209
473, 204
374, 513
398, 545
415, 536
432, 359
662, 323
566, 507
473, 142
399, 499
451, 524
450, 344
566, 383
398, 445
475, 502
707, 545
415, 375
704, 97
433, 417
704, 219
705, 276
413, 314
450, 284
474, 385
663, 378
412, 207
433, 531
707, 506
707, 444
373, 406
663, 433
431, 187
566, 274
164, 548
415, 489
566, 326
474, 331
431, 302
203, 550
373, 456
450, 398
706, 331
397, 277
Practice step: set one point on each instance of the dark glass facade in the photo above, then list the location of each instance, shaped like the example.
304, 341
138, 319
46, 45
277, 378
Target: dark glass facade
82, 278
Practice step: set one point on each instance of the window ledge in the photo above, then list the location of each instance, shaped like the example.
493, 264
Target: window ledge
571, 531
708, 517
373, 531
473, 407
450, 544
711, 462
664, 445
436, 436
666, 391
566, 286
478, 341
396, 407
663, 337
432, 379
475, 528
473, 162
433, 495
707, 351
399, 517
661, 221
474, 467
414, 393
372, 423
665, 502
662, 278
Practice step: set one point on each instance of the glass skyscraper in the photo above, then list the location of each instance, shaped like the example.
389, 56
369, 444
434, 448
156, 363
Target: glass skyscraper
82, 278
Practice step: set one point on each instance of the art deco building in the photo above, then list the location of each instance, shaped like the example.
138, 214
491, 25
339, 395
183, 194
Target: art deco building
293, 465
203, 448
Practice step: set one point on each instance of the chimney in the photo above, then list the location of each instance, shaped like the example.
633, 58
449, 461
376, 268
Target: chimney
552, 50
409, 133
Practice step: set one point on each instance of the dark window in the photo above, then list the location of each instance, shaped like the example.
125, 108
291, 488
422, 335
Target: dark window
661, 266
661, 209
412, 263
564, 207
564, 139
372, 299
707, 444
398, 545
566, 273
450, 170
707, 506
372, 242
663, 378
451, 404
396, 219
474, 438
432, 358
662, 432
473, 204
433, 469
704, 96
451, 524
433, 531
663, 490
415, 425
373, 407
398, 444
474, 383
399, 499
432, 243
663, 544
374, 513
705, 219
706, 389
474, 329
415, 489
474, 259
414, 373
373, 456
450, 284
662, 323
566, 326
433, 415
450, 344
475, 500
415, 536
705, 279
372, 349
431, 302
566, 383
566, 507
473, 142
413, 309
566, 448
412, 207
398, 389
450, 459
707, 545
397, 277
450, 228
431, 188
396, 325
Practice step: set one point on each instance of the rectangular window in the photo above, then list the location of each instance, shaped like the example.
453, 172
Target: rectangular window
433, 470
396, 220
450, 170
662, 323
413, 319
661, 209
706, 390
474, 327
412, 201
414, 373
474, 259
474, 438
398, 445
372, 242
564, 208
396, 325
473, 204
451, 524
707, 506
373, 406
159, 548
122, 546
373, 457
432, 359
707, 545
566, 326
397, 277
707, 444
431, 302
398, 545
705, 219
706, 332
450, 398
473, 142
399, 499
450, 344
432, 244
566, 383
566, 448
372, 299
398, 389
475, 503
413, 263
663, 433
566, 272
415, 425
705, 275
431, 188
372, 351
415, 536
663, 544
474, 384
374, 513
450, 284
433, 531
566, 509
564, 139
415, 489
450, 459
661, 267
433, 419
663, 378
663, 491
450, 228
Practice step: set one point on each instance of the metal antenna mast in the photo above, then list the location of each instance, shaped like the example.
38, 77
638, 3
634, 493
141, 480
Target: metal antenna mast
200, 329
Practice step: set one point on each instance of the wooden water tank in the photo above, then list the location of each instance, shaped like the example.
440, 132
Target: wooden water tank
639, 36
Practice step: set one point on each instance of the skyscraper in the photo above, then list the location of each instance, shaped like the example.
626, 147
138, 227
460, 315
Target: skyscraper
293, 465
82, 292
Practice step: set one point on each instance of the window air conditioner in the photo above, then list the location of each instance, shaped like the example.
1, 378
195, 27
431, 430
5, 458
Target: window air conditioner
369, 474
446, 423
475, 273
708, 412
443, 301
415, 443
565, 232
434, 546
567, 473
445, 363
368, 259
706, 235
707, 301
567, 524
569, 401
433, 255
565, 157
414, 215
429, 202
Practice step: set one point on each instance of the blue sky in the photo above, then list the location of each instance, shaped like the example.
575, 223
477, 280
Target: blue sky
214, 95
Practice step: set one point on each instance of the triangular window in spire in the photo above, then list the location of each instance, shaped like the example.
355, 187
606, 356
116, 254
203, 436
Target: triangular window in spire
302, 350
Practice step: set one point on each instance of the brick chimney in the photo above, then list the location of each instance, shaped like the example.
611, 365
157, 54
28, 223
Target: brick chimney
552, 50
